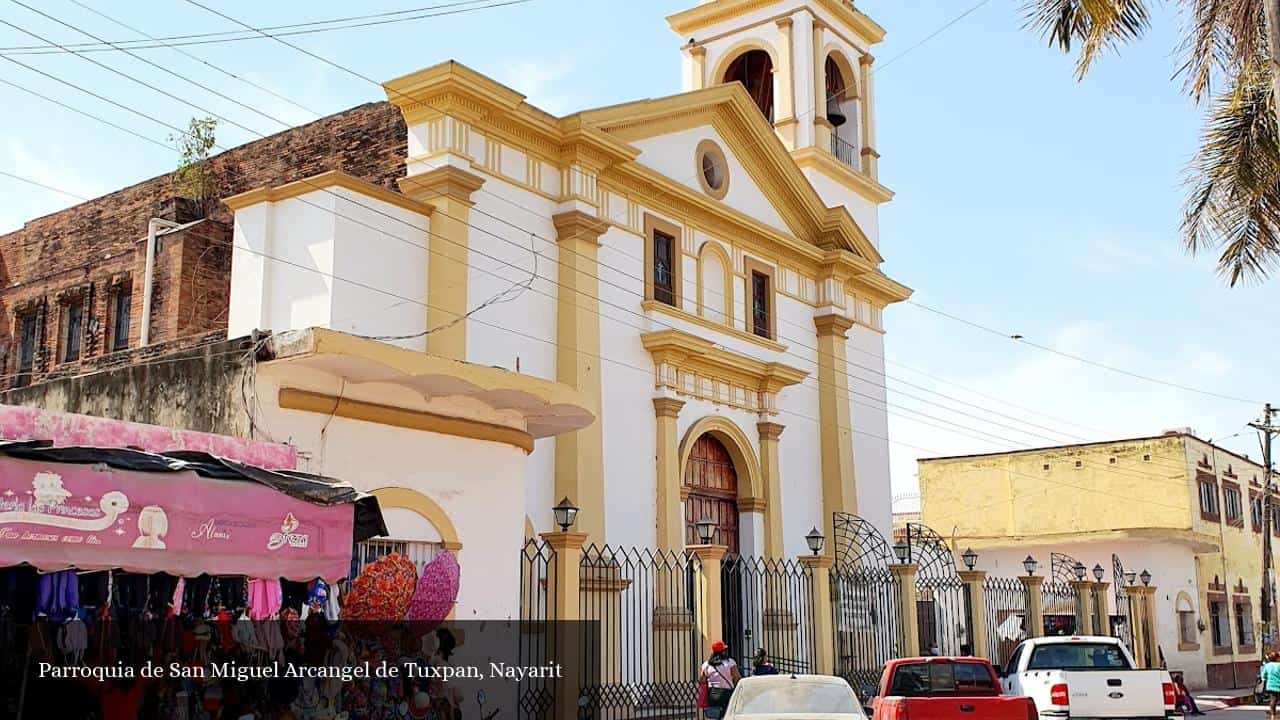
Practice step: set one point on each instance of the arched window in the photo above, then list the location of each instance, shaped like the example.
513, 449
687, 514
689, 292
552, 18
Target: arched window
754, 69
841, 110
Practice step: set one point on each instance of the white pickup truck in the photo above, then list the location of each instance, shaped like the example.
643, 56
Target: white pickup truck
1087, 677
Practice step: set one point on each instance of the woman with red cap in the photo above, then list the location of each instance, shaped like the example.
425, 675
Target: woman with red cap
717, 679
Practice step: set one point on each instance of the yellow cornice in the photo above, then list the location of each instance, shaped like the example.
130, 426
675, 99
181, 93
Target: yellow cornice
323, 181
864, 277
700, 17
694, 354
446, 181
811, 157
661, 307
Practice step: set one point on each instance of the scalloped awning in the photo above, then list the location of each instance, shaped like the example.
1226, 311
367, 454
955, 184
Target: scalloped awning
548, 408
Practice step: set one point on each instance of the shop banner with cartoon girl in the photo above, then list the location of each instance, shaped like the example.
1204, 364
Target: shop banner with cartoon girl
91, 517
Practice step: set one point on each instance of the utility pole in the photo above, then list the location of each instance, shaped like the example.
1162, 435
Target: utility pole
1267, 430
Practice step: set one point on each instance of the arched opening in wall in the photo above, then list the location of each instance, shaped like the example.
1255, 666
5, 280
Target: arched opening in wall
711, 487
417, 529
842, 109
754, 69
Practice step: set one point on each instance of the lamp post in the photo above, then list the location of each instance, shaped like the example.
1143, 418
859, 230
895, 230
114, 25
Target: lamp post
970, 558
566, 513
901, 551
706, 528
1078, 569
1097, 572
1030, 565
1145, 577
1129, 577
814, 540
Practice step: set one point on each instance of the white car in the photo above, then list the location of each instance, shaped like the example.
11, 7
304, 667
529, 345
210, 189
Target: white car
761, 697
1084, 676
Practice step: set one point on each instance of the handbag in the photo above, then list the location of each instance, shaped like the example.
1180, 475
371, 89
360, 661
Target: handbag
702, 693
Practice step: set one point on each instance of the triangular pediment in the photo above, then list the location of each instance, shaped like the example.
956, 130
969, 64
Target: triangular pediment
667, 131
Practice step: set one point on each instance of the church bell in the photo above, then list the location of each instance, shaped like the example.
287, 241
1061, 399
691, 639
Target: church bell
834, 114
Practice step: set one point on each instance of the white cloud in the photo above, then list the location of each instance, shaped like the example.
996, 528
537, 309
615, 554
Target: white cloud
52, 167
539, 80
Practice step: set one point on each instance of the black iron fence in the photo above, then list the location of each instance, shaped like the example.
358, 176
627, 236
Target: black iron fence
538, 628
1058, 606
645, 654
864, 604
768, 603
1006, 613
942, 616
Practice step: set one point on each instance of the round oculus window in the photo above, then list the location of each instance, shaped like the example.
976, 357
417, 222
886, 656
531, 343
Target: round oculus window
713, 170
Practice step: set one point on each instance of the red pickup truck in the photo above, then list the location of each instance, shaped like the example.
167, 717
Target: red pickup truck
945, 688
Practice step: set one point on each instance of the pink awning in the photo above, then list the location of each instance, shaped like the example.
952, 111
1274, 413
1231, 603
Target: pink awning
57, 515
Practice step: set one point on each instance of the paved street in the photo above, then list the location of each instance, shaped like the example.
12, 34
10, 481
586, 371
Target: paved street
1243, 712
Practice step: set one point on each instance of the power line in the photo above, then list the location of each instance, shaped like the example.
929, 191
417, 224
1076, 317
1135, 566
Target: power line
29, 181
237, 36
932, 35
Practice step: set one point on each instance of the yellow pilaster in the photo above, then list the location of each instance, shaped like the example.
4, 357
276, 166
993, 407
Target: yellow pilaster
449, 190
870, 158
710, 615
563, 576
824, 649
1101, 617
821, 126
785, 114
580, 455
908, 620
1142, 620
770, 432
1035, 604
1085, 621
839, 486
670, 523
973, 582
699, 56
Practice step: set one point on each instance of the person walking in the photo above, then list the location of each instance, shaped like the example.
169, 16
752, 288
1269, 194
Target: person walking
760, 664
1270, 678
716, 680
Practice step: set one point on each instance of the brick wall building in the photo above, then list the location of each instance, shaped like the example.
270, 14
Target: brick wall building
71, 283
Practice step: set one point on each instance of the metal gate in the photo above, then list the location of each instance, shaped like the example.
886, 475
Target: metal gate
1120, 625
768, 603
941, 610
1006, 613
1058, 600
644, 656
538, 628
865, 597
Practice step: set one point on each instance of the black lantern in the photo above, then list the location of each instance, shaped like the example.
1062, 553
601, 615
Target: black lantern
901, 550
706, 528
970, 558
1097, 573
1129, 577
814, 540
1145, 577
566, 514
1078, 569
1030, 565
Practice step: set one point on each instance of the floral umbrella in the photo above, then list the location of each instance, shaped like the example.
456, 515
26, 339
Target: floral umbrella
437, 589
382, 591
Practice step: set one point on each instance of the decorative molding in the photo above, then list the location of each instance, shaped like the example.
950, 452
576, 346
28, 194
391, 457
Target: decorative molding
770, 430
575, 224
696, 367
659, 307
667, 407
430, 510
446, 181
832, 324
324, 181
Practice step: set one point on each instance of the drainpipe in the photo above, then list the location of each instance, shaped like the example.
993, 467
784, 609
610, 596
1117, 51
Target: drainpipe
153, 226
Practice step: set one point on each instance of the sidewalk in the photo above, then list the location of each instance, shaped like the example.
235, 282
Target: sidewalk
1222, 698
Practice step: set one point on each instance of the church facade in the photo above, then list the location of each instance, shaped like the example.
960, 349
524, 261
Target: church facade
702, 269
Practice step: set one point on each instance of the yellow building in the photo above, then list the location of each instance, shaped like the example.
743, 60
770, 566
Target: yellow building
1187, 511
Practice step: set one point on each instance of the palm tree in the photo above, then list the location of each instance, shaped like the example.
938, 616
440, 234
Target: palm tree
1233, 205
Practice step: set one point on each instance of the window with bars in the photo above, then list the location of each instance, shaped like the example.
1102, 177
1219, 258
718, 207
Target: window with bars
1220, 624
28, 326
760, 305
72, 330
121, 303
1244, 624
1255, 512
1187, 630
1209, 499
419, 552
1231, 504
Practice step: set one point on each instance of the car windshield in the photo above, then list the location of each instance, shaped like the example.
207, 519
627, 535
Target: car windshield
795, 698
1078, 656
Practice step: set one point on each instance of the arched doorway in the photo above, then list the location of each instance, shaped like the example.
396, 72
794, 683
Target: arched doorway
754, 69
711, 484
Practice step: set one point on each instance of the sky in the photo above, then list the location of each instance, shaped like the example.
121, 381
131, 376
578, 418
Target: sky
1026, 202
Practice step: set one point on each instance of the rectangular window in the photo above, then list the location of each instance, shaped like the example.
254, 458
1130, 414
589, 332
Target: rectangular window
121, 303
760, 305
1187, 630
1209, 499
1220, 624
662, 261
27, 327
1244, 623
1231, 504
664, 286
73, 330
1255, 512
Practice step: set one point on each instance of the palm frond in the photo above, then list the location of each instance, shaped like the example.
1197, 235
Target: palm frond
1234, 203
1095, 26
1219, 38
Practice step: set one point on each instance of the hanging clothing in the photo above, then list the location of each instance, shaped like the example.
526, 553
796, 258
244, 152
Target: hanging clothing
58, 595
264, 598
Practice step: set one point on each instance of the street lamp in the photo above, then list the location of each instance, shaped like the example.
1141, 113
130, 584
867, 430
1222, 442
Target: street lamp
1097, 573
706, 529
1129, 577
1030, 565
1078, 569
970, 558
1145, 577
900, 551
566, 514
814, 540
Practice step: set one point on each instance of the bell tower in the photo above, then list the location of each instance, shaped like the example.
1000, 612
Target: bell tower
806, 63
